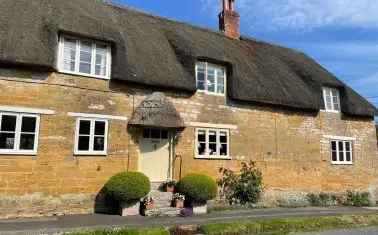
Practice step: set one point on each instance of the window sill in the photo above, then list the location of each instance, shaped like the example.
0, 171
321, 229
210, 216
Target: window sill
22, 153
329, 111
342, 163
90, 154
213, 157
84, 75
211, 93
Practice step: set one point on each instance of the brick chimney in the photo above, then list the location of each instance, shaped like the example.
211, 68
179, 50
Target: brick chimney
229, 20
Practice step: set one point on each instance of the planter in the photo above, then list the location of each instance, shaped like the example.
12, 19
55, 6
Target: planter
150, 206
199, 208
129, 209
179, 203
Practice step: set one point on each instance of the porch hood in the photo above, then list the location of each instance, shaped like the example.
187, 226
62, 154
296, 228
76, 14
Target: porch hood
156, 111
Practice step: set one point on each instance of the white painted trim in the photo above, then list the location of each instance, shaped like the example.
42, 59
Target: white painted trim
91, 152
207, 156
332, 137
99, 116
207, 64
334, 92
77, 58
15, 109
213, 125
16, 149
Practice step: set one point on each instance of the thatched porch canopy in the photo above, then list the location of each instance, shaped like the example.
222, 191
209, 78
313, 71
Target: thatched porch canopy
156, 111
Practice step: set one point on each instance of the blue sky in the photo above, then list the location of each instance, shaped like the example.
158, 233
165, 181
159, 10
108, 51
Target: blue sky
342, 35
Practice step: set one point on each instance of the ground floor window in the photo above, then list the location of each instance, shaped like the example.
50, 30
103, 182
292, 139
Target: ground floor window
18, 133
91, 137
212, 143
342, 151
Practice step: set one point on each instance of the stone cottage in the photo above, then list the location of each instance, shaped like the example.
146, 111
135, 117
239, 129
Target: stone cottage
90, 89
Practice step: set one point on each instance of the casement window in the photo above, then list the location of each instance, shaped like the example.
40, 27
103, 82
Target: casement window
331, 99
19, 133
211, 78
91, 136
84, 57
212, 143
342, 152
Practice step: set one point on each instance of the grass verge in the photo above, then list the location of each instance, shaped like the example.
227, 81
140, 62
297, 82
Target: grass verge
147, 231
286, 226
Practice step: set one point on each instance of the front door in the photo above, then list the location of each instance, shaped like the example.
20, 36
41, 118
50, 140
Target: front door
155, 154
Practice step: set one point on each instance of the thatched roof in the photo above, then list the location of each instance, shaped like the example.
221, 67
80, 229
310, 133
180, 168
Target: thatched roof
158, 52
156, 111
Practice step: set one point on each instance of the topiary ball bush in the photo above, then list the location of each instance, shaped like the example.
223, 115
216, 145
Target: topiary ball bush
197, 187
127, 187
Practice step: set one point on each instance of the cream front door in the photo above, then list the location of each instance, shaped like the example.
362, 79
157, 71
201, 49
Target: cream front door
155, 154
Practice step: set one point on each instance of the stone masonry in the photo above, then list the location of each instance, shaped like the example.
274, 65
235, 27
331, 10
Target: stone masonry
289, 146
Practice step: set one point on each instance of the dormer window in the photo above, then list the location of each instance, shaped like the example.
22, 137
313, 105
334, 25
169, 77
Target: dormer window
84, 57
331, 98
211, 78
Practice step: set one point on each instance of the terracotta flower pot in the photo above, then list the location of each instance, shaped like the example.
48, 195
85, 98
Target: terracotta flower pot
179, 203
150, 206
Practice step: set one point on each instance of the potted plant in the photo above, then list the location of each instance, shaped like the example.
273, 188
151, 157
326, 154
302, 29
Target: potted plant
178, 200
148, 203
126, 189
170, 186
198, 189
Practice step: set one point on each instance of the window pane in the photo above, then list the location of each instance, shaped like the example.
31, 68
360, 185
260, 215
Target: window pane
333, 146
8, 123
83, 143
220, 81
211, 79
7, 140
85, 127
223, 137
85, 68
341, 151
146, 133
27, 142
348, 156
334, 156
99, 128
212, 149
201, 136
28, 124
164, 134
201, 148
99, 144
201, 86
155, 134
223, 150
347, 146
69, 54
213, 136
101, 60
85, 57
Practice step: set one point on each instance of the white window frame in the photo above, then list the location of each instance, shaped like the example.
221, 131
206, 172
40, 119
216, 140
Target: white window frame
91, 152
334, 92
208, 156
206, 91
16, 150
344, 141
77, 58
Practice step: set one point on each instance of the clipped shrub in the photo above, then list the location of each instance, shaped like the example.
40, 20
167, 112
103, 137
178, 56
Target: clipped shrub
357, 199
243, 188
127, 187
323, 199
197, 187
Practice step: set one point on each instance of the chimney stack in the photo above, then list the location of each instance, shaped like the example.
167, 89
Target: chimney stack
229, 20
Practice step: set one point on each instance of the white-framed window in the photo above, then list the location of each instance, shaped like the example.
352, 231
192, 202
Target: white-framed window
331, 99
211, 78
212, 143
91, 136
84, 57
19, 133
342, 152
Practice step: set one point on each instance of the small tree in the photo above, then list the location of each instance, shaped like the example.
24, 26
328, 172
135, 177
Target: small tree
243, 188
